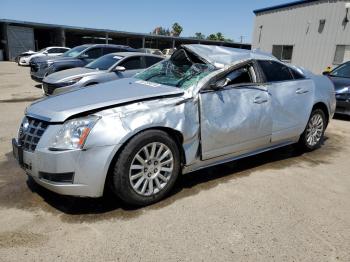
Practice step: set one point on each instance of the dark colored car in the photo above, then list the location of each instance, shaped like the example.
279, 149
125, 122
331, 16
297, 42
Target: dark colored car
340, 77
78, 56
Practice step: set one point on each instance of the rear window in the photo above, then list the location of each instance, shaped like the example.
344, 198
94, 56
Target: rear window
275, 71
104, 62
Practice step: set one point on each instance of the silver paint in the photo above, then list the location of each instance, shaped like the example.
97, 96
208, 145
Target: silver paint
213, 126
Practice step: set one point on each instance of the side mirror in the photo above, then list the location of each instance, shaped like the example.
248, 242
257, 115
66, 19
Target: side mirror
119, 69
45, 52
326, 73
220, 84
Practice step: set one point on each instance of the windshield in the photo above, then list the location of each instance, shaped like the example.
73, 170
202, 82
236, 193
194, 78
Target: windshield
104, 62
341, 71
180, 75
74, 52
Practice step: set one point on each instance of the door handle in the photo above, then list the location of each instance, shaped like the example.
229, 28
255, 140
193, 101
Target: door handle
300, 91
260, 100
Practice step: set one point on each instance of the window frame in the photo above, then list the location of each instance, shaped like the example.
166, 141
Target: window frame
126, 59
291, 70
250, 63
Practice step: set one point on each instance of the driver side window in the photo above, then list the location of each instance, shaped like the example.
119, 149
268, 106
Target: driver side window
242, 75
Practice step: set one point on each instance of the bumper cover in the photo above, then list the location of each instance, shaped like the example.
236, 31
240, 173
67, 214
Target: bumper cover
51, 169
343, 107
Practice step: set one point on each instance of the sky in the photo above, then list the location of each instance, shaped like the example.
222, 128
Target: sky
233, 18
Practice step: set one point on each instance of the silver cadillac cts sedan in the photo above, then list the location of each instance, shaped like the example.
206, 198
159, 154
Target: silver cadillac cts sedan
204, 106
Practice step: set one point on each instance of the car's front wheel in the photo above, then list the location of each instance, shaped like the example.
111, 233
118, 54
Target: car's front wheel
313, 134
146, 168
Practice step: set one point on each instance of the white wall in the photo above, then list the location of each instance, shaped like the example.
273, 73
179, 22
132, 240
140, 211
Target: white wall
298, 26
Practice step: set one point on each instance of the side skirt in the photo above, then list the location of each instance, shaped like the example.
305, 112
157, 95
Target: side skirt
228, 158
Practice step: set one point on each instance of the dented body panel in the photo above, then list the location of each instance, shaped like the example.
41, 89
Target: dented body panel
211, 126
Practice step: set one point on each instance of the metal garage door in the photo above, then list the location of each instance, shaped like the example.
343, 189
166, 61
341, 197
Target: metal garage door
20, 39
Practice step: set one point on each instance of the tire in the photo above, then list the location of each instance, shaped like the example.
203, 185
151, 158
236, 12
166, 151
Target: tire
130, 174
313, 135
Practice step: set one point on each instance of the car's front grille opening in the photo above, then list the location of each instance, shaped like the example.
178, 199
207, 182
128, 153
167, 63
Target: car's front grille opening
29, 136
57, 177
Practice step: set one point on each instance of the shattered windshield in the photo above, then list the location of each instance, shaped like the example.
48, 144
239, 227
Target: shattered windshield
182, 73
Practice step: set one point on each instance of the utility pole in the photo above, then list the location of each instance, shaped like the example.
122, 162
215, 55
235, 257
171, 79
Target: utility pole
241, 38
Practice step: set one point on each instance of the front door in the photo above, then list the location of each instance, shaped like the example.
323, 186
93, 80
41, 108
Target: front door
236, 118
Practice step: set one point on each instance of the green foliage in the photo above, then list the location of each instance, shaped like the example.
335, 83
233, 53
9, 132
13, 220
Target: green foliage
177, 29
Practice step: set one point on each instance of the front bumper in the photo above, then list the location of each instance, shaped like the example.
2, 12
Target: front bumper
37, 72
68, 172
343, 107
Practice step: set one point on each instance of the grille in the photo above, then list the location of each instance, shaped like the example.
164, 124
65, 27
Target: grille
30, 133
49, 88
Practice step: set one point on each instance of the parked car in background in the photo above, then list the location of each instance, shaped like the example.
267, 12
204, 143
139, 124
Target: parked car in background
151, 51
106, 68
24, 54
51, 51
204, 106
340, 77
168, 52
78, 56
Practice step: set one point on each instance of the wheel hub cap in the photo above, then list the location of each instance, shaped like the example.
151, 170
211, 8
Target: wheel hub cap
151, 169
314, 130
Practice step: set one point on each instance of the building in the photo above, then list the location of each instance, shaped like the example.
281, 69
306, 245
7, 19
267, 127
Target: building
19, 36
310, 33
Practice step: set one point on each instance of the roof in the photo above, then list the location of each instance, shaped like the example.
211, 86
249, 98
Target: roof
277, 7
126, 54
220, 56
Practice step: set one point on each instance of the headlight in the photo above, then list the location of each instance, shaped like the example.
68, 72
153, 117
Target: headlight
73, 133
73, 81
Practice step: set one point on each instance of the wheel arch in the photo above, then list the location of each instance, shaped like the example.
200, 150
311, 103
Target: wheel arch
174, 134
324, 108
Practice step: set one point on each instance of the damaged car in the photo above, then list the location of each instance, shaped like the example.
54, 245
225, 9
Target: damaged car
204, 106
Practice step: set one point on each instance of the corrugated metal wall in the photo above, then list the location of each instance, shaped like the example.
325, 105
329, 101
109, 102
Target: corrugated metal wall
299, 26
20, 39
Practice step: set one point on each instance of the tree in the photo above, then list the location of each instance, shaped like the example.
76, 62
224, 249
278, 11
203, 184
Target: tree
199, 35
220, 36
176, 29
212, 37
161, 31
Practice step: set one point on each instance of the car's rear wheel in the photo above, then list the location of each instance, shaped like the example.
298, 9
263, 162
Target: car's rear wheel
313, 135
147, 168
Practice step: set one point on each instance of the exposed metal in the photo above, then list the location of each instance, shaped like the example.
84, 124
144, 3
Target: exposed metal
213, 125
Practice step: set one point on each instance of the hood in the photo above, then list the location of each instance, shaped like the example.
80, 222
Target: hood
59, 108
68, 74
30, 52
341, 83
221, 56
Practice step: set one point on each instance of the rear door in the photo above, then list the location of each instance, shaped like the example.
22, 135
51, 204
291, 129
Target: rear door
291, 95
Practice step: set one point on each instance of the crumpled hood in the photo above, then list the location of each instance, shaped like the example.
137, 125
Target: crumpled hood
59, 108
68, 74
341, 83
